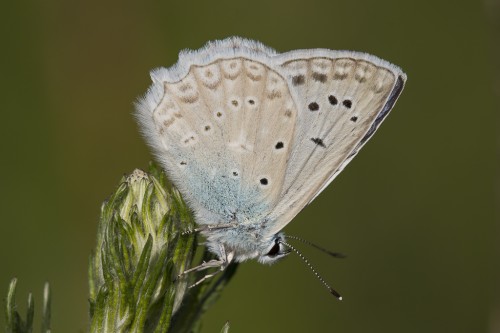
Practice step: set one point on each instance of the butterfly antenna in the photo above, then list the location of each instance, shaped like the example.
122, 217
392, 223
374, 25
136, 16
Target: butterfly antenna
322, 249
330, 289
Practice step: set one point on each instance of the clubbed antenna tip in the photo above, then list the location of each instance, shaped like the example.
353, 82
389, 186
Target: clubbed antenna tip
308, 264
335, 293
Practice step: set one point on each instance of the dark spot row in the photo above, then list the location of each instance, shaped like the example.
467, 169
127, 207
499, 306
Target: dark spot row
300, 79
263, 181
279, 144
333, 101
235, 102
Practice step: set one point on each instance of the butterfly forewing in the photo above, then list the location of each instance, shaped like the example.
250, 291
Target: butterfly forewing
338, 100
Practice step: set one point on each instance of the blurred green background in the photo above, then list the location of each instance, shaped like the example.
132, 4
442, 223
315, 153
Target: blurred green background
414, 212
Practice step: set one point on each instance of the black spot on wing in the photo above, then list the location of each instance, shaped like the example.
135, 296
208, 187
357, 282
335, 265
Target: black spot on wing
333, 100
319, 142
313, 106
347, 103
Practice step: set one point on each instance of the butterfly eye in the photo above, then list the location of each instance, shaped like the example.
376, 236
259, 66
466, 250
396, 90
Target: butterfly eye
274, 250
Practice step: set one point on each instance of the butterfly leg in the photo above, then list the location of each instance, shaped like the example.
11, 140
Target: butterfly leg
210, 228
207, 276
222, 267
222, 263
204, 265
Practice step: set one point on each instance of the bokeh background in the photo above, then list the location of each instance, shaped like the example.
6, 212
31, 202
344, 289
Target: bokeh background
414, 212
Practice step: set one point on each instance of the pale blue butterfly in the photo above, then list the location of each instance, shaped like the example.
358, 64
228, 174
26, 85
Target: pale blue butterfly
250, 136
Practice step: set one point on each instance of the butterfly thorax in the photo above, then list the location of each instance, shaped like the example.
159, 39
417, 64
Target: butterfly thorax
243, 241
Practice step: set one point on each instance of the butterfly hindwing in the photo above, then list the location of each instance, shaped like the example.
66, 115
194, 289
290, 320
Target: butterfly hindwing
223, 133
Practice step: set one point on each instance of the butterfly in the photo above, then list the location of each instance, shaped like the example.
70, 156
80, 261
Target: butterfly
250, 136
